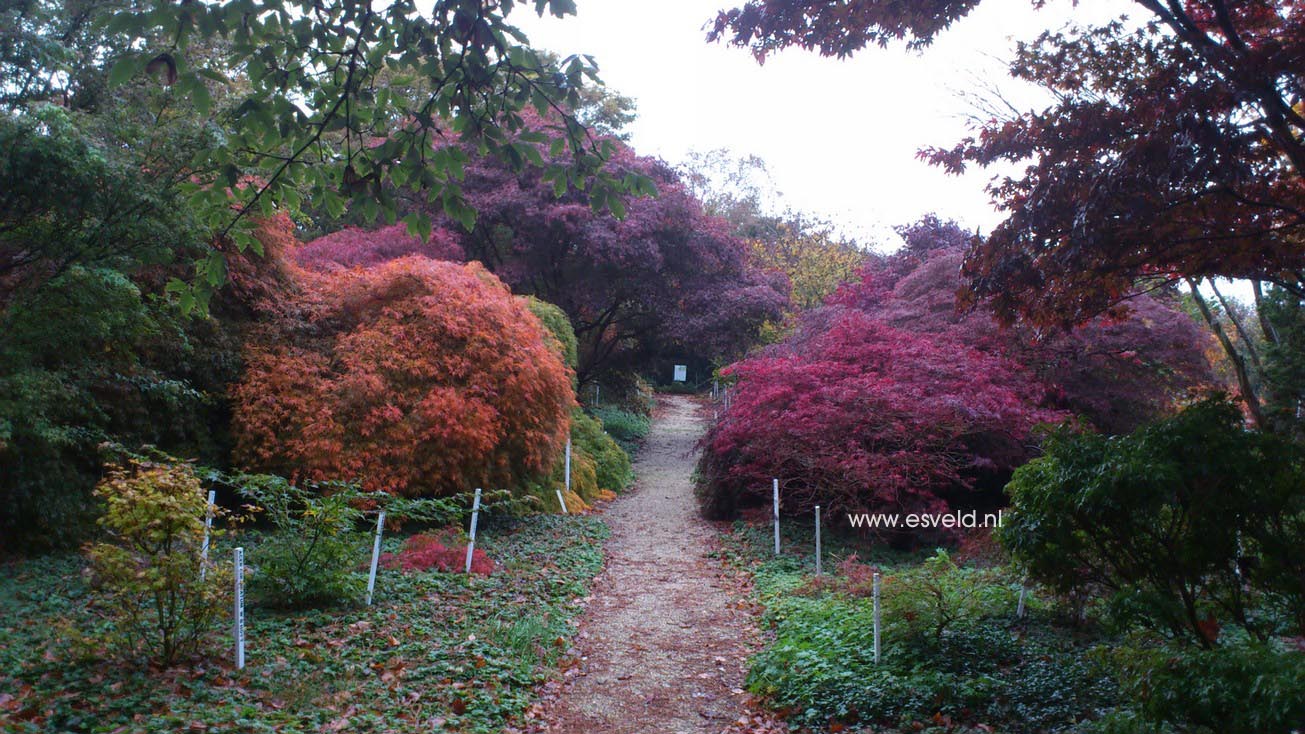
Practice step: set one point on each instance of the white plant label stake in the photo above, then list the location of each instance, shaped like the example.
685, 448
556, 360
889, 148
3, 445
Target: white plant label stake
208, 527
376, 556
775, 491
817, 540
567, 478
1019, 608
876, 597
475, 520
239, 631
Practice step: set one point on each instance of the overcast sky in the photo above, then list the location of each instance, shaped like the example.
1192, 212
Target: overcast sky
840, 137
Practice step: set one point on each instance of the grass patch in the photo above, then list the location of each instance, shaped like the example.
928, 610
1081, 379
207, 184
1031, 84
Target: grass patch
437, 652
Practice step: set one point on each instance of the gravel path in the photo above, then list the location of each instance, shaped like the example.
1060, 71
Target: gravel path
663, 642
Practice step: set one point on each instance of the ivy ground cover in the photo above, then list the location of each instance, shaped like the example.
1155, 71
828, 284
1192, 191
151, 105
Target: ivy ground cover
437, 652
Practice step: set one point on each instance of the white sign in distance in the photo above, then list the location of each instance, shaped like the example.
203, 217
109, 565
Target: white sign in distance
681, 372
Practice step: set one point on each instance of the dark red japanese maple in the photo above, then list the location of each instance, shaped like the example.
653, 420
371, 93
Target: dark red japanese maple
666, 278
856, 415
889, 398
1116, 371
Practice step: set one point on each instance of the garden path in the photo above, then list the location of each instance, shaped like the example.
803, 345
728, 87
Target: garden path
664, 640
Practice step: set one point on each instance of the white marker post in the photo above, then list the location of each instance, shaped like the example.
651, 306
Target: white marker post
775, 492
562, 502
596, 392
1019, 608
817, 540
376, 556
568, 465
876, 598
208, 528
475, 521
239, 627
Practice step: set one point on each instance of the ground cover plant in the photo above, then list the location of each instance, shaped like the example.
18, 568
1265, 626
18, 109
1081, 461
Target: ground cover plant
954, 656
1164, 598
437, 651
627, 427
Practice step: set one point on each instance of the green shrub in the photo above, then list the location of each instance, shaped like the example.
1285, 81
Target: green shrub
928, 599
628, 428
86, 359
611, 463
149, 569
561, 336
1174, 522
321, 538
1235, 689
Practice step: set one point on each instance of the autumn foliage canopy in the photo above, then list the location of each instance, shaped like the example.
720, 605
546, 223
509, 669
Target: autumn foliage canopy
853, 414
416, 377
890, 399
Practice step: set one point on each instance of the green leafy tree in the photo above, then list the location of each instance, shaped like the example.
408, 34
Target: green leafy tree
330, 108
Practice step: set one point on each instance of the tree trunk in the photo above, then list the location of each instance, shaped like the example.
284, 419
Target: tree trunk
1239, 364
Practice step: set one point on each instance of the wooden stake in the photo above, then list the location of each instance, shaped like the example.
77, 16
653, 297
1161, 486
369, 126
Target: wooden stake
208, 528
876, 598
817, 540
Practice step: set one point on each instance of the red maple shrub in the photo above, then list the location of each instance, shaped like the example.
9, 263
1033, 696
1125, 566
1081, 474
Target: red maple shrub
440, 551
416, 377
1117, 371
887, 399
855, 415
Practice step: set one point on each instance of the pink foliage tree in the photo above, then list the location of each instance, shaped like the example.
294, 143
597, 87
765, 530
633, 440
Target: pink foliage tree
356, 247
1117, 371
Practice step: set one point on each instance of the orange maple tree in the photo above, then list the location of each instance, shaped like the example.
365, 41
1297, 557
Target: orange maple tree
415, 377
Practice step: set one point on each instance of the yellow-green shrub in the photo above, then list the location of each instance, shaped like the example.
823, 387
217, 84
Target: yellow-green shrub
148, 570
611, 463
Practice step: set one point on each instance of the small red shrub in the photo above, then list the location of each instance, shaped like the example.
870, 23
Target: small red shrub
441, 552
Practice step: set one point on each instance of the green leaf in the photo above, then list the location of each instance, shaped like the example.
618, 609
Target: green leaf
200, 97
124, 69
419, 225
